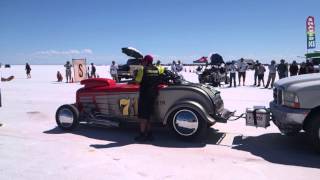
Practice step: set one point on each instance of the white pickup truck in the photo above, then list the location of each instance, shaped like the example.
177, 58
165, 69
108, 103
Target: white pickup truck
296, 106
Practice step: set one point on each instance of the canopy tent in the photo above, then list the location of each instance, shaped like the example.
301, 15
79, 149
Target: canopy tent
203, 59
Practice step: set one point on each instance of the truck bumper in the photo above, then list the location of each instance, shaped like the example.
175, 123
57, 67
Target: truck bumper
287, 119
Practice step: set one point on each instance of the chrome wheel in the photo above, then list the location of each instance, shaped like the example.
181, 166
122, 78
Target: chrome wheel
65, 117
185, 122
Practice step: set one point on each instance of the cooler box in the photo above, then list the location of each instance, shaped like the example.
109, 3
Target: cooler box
258, 117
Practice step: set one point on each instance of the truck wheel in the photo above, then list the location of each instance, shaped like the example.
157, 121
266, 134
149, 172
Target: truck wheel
313, 132
188, 124
67, 117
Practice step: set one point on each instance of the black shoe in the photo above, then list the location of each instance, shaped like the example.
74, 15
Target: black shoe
141, 138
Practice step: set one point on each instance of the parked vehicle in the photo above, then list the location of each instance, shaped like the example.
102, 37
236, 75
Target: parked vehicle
187, 108
129, 69
214, 76
295, 107
215, 73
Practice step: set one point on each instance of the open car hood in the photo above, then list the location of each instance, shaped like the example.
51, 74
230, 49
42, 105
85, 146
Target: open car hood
132, 52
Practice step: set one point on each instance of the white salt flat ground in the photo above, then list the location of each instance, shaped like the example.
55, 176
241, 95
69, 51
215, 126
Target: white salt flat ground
32, 147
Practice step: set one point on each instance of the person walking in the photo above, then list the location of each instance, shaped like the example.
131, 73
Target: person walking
256, 67
149, 79
93, 71
28, 70
272, 73
282, 69
303, 69
232, 69
294, 69
261, 71
114, 71
68, 71
242, 71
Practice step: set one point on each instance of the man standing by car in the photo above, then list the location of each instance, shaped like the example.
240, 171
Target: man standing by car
242, 71
149, 78
93, 71
68, 71
160, 68
114, 71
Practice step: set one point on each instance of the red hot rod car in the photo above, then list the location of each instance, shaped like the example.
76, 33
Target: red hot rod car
187, 108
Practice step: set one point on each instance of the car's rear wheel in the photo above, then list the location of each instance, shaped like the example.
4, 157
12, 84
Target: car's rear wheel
188, 124
313, 131
67, 117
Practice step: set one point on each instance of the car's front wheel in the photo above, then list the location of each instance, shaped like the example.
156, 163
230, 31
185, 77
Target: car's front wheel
67, 117
314, 131
188, 124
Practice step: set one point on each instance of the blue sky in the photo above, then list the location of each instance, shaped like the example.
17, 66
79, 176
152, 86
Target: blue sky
54, 31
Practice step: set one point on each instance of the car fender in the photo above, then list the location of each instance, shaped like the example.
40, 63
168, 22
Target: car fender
193, 105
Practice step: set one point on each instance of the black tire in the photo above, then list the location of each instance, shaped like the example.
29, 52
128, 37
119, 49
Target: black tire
313, 131
71, 117
197, 133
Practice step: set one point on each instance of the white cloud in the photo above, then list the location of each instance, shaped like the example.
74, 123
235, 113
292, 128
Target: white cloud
66, 52
87, 51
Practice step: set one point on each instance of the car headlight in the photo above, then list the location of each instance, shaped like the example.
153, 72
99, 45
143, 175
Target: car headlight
290, 99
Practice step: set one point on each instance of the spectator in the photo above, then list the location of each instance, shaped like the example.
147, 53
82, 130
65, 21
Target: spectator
242, 71
114, 71
261, 71
294, 69
59, 77
68, 71
309, 67
179, 66
256, 67
272, 73
282, 69
303, 69
160, 68
199, 69
93, 71
28, 70
173, 67
232, 69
